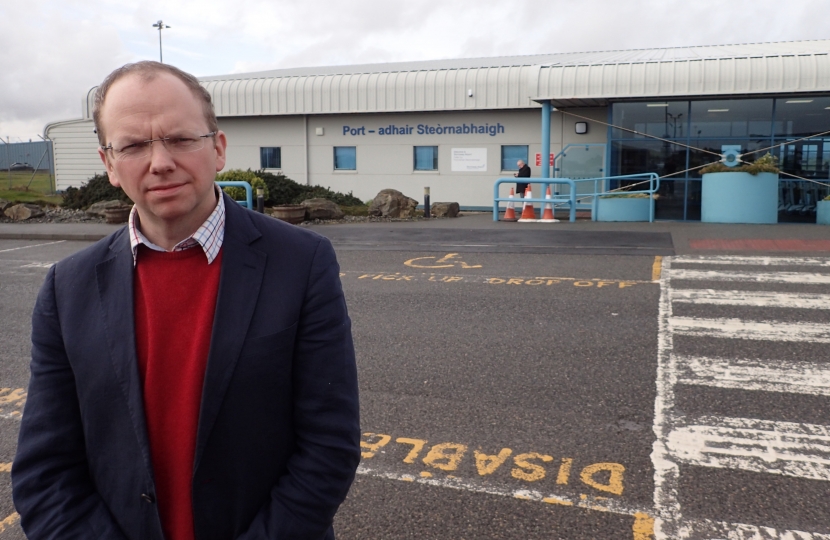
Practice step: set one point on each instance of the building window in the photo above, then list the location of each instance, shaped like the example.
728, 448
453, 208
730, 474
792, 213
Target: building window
426, 158
510, 155
345, 158
269, 158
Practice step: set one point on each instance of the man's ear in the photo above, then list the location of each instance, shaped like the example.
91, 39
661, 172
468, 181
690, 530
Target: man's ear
220, 145
110, 170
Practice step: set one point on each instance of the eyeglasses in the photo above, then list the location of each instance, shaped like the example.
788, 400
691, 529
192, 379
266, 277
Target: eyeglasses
177, 144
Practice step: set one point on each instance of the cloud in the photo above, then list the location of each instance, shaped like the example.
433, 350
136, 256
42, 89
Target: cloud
57, 49
49, 64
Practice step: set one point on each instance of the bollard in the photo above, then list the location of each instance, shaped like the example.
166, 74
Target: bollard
260, 200
426, 202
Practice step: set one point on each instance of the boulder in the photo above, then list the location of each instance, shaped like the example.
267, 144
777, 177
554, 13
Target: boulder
322, 209
444, 209
22, 212
4, 204
392, 203
98, 209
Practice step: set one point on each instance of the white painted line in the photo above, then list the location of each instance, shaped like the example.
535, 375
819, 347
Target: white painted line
754, 330
763, 375
750, 298
753, 261
32, 246
754, 277
38, 265
716, 530
763, 446
600, 504
666, 471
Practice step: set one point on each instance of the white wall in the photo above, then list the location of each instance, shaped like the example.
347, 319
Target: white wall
75, 149
386, 161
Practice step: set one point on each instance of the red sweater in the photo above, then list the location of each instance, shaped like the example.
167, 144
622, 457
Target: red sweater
175, 299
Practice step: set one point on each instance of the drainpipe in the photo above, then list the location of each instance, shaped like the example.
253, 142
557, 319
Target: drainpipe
545, 143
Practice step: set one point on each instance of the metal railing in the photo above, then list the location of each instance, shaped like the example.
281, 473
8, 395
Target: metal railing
249, 196
569, 199
576, 200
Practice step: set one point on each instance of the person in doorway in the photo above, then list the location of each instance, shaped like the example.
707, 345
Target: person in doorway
524, 172
193, 374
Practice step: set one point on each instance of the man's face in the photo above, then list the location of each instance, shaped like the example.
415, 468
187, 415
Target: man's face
169, 189
520, 163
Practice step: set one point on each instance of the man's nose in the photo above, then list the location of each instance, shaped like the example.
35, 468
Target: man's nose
161, 160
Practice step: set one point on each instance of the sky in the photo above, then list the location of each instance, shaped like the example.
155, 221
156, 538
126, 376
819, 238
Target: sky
54, 51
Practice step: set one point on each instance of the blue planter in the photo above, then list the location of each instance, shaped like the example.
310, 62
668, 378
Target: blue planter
823, 212
739, 197
623, 209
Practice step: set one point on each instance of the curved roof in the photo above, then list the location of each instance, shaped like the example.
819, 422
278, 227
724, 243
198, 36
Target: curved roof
517, 82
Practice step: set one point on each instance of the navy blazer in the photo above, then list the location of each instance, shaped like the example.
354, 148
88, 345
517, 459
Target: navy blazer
278, 436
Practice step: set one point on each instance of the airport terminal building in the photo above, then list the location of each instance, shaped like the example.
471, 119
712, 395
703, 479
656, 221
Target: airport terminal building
458, 125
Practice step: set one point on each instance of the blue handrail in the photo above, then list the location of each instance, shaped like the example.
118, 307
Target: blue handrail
571, 198
249, 197
653, 184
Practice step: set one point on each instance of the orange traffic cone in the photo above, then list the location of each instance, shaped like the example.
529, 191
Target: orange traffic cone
510, 213
528, 212
547, 216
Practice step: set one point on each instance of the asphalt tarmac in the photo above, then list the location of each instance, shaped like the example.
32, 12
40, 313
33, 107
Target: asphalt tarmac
591, 382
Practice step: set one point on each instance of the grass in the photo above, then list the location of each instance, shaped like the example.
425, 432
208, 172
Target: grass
23, 187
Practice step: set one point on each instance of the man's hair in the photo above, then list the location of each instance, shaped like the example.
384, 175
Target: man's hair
148, 70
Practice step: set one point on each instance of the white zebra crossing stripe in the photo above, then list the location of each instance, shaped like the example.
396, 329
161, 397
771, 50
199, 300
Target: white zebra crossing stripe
760, 446
753, 261
804, 278
799, 450
764, 375
750, 298
753, 330
718, 530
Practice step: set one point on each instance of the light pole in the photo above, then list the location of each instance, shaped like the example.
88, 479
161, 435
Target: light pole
160, 25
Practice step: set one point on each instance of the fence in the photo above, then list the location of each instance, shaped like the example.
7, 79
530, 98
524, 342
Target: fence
36, 154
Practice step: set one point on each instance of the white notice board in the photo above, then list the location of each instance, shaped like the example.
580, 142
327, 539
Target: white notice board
469, 160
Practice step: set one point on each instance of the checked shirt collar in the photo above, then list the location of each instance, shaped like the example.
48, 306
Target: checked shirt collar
209, 236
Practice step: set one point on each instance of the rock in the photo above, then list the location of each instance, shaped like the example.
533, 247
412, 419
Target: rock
4, 204
392, 203
444, 209
22, 212
97, 209
322, 209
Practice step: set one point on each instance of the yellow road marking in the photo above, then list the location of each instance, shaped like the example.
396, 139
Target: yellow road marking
9, 521
643, 528
441, 263
544, 281
657, 268
5, 467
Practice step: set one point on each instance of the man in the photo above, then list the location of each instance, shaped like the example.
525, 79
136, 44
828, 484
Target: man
193, 374
524, 172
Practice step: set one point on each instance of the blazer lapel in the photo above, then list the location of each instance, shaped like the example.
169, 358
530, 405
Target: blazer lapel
243, 268
115, 292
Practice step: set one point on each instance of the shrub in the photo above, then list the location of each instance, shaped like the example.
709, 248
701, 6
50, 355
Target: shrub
318, 192
625, 196
96, 189
283, 190
238, 175
767, 163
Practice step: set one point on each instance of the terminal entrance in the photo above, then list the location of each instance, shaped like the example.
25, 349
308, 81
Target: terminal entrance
674, 139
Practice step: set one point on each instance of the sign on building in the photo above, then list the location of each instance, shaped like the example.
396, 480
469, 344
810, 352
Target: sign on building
469, 160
